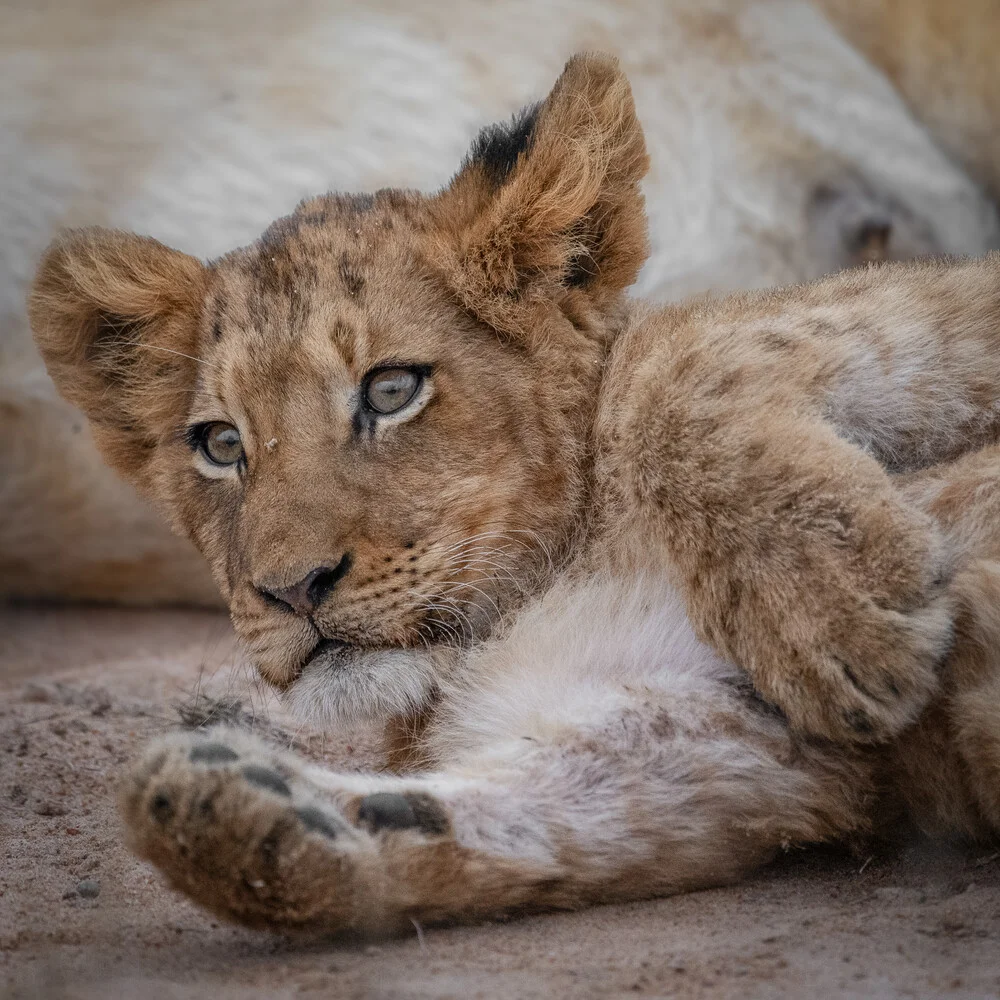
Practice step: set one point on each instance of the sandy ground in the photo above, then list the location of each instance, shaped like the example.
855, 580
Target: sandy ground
80, 690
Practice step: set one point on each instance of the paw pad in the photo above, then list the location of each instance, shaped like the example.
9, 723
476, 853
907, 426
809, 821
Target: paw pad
161, 808
317, 821
212, 753
265, 778
386, 811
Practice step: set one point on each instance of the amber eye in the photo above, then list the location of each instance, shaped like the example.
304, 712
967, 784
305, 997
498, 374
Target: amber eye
389, 390
221, 444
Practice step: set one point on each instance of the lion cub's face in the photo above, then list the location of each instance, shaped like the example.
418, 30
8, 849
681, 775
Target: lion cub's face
373, 421
362, 460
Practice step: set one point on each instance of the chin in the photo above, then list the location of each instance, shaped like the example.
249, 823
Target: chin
341, 685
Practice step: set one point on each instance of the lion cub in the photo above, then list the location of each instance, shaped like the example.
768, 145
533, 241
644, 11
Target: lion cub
446, 474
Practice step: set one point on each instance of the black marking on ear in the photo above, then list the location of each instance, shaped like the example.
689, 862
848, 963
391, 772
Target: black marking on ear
277, 234
497, 147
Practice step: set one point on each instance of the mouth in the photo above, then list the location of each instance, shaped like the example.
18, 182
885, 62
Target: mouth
326, 649
330, 655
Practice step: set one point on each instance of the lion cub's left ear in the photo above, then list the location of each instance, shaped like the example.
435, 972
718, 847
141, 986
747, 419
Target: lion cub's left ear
550, 203
116, 319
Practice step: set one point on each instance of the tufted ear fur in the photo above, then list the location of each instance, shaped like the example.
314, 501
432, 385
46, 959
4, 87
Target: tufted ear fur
549, 205
115, 317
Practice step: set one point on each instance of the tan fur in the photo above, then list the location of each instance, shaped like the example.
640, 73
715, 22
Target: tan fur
550, 562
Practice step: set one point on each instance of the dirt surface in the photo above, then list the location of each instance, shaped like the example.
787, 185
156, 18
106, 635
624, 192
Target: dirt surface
80, 690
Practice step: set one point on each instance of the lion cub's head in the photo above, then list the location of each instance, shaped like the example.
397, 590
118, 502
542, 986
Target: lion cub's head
371, 421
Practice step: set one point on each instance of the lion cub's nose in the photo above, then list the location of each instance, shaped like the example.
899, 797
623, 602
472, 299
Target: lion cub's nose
309, 593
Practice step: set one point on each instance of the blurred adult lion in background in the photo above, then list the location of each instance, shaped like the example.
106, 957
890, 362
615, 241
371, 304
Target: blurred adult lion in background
787, 140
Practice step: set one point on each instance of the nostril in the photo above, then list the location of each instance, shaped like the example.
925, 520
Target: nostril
325, 580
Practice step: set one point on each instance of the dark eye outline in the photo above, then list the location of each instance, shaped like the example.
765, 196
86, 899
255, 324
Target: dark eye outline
197, 437
422, 372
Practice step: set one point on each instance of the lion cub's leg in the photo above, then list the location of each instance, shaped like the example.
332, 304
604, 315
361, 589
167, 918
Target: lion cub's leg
650, 796
756, 439
798, 558
949, 767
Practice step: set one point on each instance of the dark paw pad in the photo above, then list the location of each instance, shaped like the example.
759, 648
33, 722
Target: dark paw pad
212, 753
392, 811
161, 808
386, 811
262, 777
317, 821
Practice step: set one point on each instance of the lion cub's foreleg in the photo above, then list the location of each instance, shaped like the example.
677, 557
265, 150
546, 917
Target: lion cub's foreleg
648, 797
751, 444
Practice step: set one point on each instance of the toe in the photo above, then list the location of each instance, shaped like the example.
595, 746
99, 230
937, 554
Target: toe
212, 753
386, 811
271, 781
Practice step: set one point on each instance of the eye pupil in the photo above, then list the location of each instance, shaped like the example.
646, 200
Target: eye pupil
221, 444
389, 391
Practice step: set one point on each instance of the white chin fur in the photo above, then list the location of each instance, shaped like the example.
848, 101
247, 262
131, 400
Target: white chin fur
360, 685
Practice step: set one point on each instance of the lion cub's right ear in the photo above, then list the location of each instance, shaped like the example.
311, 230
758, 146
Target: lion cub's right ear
549, 206
116, 317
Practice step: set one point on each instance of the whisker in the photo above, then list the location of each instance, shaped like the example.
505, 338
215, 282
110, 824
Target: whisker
180, 354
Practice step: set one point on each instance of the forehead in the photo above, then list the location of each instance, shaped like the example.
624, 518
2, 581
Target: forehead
343, 276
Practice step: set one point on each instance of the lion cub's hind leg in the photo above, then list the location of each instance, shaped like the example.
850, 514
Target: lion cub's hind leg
245, 830
680, 783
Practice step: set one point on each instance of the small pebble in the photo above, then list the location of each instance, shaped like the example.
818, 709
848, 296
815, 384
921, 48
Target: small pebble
89, 888
48, 808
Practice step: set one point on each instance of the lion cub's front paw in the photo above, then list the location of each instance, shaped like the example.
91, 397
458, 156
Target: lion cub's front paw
870, 675
242, 828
